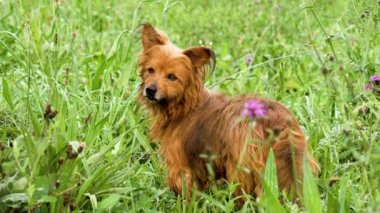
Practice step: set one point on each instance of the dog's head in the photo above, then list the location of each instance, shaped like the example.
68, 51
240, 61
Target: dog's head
168, 73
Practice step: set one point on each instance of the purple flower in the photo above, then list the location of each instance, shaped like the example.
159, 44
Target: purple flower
374, 81
375, 78
249, 59
253, 109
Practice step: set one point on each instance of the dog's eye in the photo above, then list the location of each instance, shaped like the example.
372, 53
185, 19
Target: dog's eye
172, 77
150, 70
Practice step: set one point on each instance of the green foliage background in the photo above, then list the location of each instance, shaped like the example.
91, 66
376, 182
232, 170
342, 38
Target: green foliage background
315, 57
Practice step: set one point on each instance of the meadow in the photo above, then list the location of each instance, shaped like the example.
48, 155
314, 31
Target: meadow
74, 138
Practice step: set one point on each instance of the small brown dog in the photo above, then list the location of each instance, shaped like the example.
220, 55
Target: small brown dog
191, 122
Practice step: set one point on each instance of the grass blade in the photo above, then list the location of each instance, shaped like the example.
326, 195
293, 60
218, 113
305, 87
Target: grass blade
270, 175
7, 95
270, 186
311, 197
108, 203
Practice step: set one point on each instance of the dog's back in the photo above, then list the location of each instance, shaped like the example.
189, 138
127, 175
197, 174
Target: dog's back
214, 134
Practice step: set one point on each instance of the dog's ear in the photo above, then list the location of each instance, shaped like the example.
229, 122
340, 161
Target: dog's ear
151, 37
201, 57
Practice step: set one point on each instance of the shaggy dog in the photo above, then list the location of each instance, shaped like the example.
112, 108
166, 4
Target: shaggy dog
196, 127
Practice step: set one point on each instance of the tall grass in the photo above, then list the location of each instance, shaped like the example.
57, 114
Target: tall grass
90, 149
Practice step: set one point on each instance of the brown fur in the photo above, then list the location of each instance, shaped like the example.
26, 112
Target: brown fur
191, 122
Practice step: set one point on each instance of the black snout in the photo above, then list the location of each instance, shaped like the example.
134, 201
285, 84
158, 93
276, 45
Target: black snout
150, 92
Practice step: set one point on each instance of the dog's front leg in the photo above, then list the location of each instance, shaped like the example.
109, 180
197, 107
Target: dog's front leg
180, 180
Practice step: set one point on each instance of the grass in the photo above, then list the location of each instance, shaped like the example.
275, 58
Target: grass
315, 57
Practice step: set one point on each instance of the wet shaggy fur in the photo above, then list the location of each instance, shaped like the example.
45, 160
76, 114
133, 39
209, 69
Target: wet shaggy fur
196, 126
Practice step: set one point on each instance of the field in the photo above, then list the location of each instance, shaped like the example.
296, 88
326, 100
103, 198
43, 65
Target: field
69, 77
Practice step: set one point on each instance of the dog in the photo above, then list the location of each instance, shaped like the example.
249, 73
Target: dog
196, 127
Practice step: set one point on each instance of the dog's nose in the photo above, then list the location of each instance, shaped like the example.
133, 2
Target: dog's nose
151, 91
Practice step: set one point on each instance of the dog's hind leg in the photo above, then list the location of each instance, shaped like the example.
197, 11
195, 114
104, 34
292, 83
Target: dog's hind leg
289, 150
245, 174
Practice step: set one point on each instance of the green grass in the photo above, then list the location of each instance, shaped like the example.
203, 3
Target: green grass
315, 57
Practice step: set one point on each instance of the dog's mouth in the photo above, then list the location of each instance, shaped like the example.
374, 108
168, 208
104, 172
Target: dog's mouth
153, 100
150, 98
